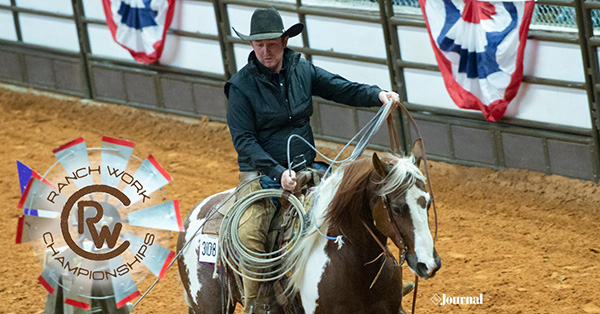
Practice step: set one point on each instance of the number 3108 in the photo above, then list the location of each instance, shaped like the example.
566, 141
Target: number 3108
209, 249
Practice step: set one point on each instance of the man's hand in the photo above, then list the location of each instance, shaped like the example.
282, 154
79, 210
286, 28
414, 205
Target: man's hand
288, 182
384, 96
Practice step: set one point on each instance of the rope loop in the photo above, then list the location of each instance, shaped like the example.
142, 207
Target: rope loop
253, 265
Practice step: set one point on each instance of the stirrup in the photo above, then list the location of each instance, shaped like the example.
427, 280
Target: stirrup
407, 287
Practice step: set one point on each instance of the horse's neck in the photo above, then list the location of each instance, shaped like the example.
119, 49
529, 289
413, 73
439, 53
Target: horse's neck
360, 260
361, 242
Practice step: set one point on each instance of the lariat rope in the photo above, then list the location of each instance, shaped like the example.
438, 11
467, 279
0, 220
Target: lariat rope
366, 134
196, 232
248, 263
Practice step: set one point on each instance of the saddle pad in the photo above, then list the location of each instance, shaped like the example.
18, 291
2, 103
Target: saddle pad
308, 200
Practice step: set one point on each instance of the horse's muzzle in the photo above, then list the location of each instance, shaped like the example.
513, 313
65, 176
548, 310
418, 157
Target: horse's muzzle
422, 269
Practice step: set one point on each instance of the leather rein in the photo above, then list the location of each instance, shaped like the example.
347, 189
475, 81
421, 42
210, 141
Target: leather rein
395, 146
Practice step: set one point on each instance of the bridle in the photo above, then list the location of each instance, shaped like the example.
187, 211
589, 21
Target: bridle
395, 146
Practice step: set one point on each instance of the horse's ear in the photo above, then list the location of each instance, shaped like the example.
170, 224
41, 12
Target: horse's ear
417, 151
380, 167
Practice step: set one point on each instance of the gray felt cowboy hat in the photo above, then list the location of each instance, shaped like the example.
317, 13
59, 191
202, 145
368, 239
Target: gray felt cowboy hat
267, 24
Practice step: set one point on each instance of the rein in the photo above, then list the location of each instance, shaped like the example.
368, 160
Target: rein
395, 146
386, 251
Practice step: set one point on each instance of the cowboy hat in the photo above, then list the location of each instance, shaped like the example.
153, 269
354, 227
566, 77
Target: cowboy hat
267, 24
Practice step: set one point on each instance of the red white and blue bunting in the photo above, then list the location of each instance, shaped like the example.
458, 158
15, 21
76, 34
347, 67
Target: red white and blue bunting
140, 26
479, 48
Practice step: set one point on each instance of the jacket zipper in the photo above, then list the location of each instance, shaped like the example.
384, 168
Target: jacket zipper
289, 107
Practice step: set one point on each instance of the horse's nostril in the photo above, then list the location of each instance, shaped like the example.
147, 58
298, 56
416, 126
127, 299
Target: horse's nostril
422, 268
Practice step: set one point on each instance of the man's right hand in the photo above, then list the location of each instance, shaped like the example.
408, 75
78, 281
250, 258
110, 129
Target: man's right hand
288, 182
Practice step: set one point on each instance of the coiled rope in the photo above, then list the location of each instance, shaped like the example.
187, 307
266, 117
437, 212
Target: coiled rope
250, 264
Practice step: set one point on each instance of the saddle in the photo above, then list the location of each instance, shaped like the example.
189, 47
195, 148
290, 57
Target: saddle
306, 179
280, 232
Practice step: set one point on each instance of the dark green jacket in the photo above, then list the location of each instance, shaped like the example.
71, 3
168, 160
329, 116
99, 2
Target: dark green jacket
261, 119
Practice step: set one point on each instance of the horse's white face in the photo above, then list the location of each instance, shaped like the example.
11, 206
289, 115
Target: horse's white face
422, 258
408, 200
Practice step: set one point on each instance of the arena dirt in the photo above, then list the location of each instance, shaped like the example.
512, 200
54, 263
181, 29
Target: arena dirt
527, 241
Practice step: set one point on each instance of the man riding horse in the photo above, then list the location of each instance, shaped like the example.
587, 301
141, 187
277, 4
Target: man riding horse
269, 99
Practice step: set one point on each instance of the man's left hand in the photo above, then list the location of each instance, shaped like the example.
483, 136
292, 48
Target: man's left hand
384, 96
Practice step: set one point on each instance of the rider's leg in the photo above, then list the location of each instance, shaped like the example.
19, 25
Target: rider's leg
253, 231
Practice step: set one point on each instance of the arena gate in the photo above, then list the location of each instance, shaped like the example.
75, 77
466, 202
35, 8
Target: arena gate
553, 125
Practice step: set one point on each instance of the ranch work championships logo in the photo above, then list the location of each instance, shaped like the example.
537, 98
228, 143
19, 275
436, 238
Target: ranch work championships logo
105, 234
100, 220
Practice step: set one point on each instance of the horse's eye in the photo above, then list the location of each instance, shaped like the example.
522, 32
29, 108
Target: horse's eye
403, 208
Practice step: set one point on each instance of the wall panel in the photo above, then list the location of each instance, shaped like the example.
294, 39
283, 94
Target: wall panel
523, 152
49, 32
540, 58
363, 72
108, 84
7, 31
553, 60
178, 95
241, 54
54, 6
195, 16
427, 88
10, 68
472, 144
570, 159
551, 104
40, 71
347, 36
93, 9
210, 100
140, 88
415, 45
68, 76
436, 137
337, 121
193, 53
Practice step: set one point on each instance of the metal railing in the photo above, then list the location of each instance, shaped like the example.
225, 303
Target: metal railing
566, 21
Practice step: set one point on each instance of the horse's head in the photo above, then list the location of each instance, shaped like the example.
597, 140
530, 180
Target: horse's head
400, 210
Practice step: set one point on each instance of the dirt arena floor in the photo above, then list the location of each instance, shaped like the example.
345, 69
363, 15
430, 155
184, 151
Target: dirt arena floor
527, 241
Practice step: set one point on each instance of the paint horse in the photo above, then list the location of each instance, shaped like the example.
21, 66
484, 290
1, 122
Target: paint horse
366, 201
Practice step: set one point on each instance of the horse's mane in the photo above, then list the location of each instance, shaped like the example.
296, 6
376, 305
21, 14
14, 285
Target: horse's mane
342, 199
350, 199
